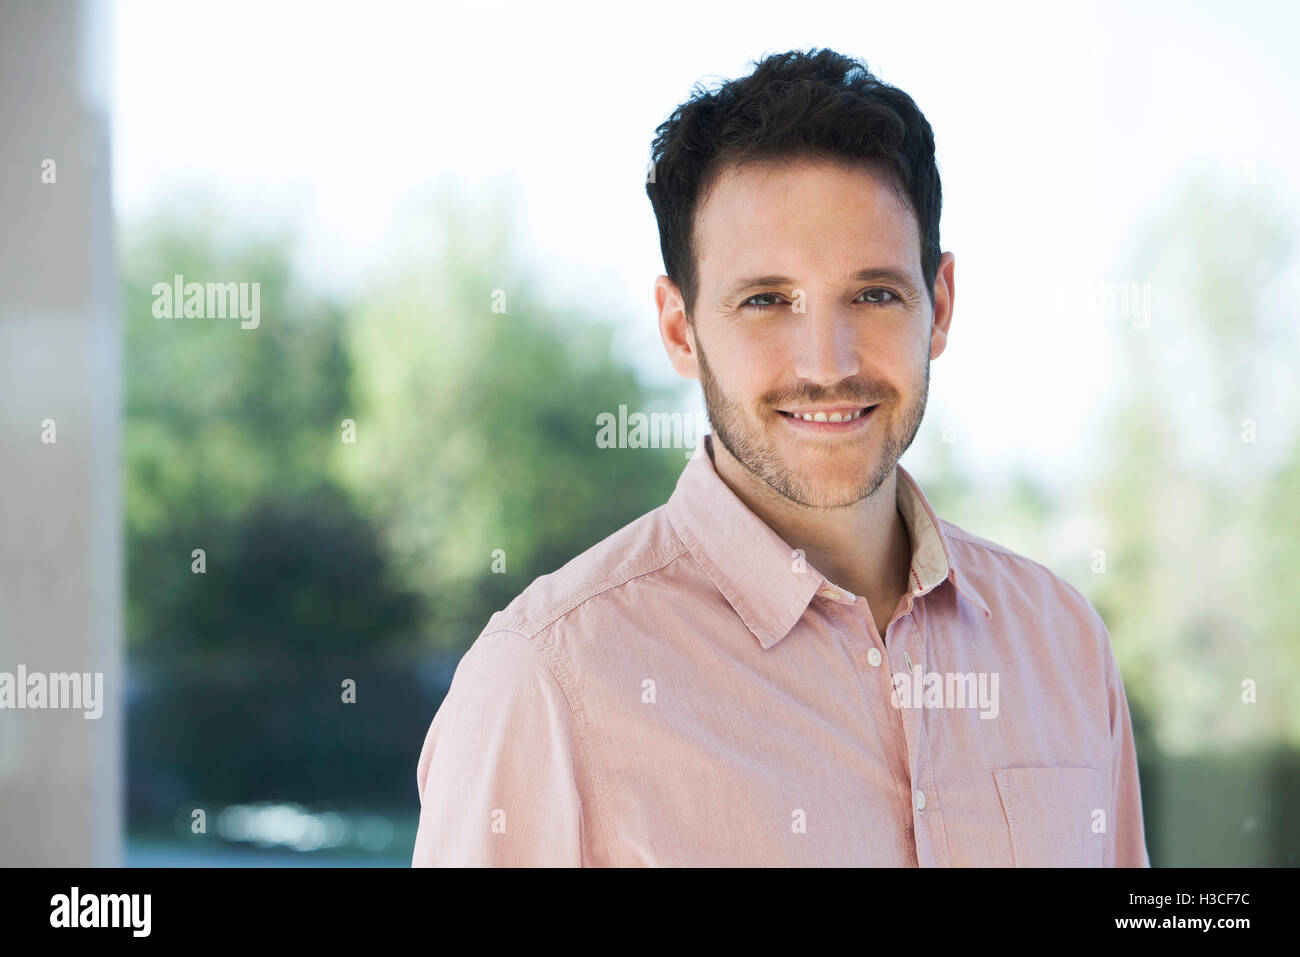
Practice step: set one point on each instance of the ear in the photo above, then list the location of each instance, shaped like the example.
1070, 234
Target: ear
943, 294
676, 332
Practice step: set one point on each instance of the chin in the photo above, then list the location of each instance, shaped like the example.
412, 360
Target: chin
832, 460
842, 474
830, 496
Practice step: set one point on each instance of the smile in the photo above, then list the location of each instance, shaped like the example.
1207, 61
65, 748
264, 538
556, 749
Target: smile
833, 420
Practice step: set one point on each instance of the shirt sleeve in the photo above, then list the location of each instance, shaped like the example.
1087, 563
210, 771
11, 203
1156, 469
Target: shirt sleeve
1126, 844
497, 775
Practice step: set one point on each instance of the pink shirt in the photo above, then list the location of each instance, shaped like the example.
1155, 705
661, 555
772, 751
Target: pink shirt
689, 692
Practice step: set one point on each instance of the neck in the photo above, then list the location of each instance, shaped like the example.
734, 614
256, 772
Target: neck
864, 548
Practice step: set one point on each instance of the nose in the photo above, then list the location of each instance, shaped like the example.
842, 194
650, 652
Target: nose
825, 345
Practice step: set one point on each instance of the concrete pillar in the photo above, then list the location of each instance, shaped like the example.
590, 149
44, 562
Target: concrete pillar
60, 501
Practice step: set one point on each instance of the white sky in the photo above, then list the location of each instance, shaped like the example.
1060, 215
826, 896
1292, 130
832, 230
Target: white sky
1059, 128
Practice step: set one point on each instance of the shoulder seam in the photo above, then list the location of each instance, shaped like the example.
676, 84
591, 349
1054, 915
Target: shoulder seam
975, 541
652, 563
966, 538
597, 792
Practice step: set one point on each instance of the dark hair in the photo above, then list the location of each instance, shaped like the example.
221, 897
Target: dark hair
814, 104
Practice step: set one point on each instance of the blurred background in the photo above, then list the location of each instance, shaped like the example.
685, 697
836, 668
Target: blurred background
275, 537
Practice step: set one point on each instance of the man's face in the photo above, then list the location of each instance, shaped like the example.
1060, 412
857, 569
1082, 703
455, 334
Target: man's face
788, 322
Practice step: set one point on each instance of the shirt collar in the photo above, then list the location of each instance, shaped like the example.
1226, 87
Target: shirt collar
758, 573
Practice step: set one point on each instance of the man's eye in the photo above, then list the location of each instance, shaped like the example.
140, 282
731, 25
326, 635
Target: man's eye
881, 302
877, 296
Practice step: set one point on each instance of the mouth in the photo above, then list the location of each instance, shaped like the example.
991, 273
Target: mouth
838, 419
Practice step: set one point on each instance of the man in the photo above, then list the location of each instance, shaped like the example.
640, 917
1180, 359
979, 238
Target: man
794, 661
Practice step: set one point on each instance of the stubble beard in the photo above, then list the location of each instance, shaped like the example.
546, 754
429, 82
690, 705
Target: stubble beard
753, 449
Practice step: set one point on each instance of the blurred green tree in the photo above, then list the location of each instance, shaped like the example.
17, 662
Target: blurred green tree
327, 559
228, 436
476, 404
1200, 495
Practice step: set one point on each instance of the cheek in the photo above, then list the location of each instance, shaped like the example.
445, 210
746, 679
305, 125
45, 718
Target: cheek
753, 367
901, 355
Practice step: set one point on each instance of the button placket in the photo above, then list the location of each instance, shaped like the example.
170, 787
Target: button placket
924, 763
928, 825
877, 702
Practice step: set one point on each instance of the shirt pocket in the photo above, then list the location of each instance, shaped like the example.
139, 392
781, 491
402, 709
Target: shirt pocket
1050, 814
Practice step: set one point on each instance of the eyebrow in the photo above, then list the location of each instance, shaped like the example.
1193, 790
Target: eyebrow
871, 274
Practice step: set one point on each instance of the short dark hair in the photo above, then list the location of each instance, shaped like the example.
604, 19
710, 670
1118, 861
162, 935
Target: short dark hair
814, 104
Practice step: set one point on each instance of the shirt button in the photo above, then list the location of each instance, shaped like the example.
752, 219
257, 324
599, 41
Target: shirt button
920, 800
827, 593
873, 656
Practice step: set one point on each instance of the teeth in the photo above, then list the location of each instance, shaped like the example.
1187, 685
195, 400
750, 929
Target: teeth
822, 417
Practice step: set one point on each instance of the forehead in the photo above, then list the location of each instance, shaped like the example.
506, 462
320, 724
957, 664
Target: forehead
798, 217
